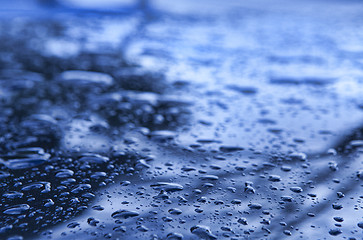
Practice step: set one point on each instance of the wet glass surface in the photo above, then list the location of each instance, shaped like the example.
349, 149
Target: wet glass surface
181, 120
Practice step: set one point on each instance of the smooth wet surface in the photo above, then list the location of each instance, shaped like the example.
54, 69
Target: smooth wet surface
181, 120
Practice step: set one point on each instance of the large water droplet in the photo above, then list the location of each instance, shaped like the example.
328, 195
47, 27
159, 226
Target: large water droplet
124, 214
169, 187
17, 209
203, 232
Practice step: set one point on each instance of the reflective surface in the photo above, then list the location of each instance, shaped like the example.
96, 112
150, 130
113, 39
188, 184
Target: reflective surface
182, 120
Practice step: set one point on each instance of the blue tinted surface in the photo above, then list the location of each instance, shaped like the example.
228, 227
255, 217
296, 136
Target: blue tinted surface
160, 119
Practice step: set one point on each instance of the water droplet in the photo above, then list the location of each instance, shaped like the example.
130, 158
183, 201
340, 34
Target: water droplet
335, 231
246, 90
124, 214
169, 187
17, 164
360, 224
236, 201
274, 178
175, 211
249, 188
230, 148
338, 219
142, 228
337, 206
255, 206
81, 187
286, 198
298, 156
13, 195
340, 194
93, 158
17, 209
98, 208
242, 221
64, 173
141, 164
4, 174
84, 77
49, 203
73, 225
203, 232
120, 229
188, 169
92, 221
174, 236
209, 177
98, 175
356, 143
296, 189
15, 238
162, 135
360, 174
